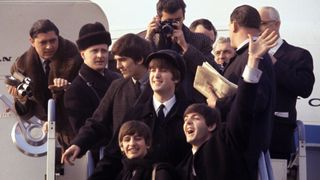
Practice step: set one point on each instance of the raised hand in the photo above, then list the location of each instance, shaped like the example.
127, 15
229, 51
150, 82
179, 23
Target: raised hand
260, 46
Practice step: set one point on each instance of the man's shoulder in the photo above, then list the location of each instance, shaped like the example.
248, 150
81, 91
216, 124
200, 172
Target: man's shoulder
293, 49
120, 84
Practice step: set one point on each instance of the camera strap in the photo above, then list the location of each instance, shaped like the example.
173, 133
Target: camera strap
89, 84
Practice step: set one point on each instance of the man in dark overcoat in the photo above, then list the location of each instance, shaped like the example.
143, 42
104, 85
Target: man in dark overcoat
50, 61
195, 48
218, 147
88, 88
246, 20
130, 52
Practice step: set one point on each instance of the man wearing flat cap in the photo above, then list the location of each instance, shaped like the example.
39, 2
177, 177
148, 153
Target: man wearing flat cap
163, 111
93, 80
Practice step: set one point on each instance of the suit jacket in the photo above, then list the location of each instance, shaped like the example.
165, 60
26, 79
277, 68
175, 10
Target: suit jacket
199, 51
264, 105
63, 65
222, 156
169, 142
294, 77
84, 95
109, 115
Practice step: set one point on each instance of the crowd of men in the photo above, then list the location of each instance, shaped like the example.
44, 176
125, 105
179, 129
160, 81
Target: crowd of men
222, 139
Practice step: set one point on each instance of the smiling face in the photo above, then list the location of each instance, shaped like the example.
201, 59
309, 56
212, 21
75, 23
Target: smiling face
46, 44
96, 57
161, 79
196, 130
134, 146
127, 66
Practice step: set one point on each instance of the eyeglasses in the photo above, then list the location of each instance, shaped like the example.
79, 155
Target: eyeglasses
264, 23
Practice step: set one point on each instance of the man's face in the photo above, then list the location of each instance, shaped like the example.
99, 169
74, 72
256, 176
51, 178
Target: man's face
177, 17
268, 22
46, 44
96, 57
134, 146
203, 30
127, 66
195, 129
161, 80
223, 52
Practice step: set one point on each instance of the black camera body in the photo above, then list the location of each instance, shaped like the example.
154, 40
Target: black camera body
167, 27
22, 83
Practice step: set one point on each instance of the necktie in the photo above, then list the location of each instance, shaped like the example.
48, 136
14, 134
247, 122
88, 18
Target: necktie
47, 68
137, 88
161, 113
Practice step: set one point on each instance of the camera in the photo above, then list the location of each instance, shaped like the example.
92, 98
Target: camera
22, 83
167, 27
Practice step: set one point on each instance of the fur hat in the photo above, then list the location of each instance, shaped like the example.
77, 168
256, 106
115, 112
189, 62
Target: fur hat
92, 34
171, 57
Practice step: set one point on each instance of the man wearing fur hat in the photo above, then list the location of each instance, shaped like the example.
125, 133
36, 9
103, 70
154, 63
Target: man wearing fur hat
50, 64
93, 80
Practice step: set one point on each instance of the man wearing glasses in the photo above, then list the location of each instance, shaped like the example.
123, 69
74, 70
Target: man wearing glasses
293, 67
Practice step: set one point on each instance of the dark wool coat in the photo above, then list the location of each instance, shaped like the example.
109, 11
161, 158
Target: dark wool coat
169, 144
63, 65
221, 157
199, 51
263, 107
294, 77
143, 170
84, 95
108, 117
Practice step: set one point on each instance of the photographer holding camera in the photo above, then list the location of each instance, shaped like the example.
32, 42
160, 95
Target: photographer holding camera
167, 31
50, 65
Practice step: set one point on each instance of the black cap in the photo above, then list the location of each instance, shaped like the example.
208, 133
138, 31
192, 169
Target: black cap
172, 57
93, 34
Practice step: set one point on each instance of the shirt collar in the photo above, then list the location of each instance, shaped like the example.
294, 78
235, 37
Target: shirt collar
168, 104
143, 80
246, 42
273, 50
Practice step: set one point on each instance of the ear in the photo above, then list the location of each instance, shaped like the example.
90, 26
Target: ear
140, 61
82, 54
31, 40
212, 127
121, 147
234, 26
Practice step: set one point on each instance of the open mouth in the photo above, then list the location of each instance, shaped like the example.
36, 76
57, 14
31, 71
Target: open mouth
190, 131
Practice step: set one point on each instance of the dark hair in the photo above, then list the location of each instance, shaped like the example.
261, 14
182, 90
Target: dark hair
135, 127
211, 115
43, 26
170, 6
133, 46
163, 63
205, 23
246, 16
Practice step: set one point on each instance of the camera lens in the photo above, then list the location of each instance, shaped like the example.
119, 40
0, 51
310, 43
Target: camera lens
167, 29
